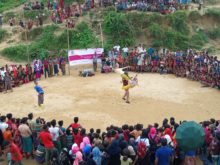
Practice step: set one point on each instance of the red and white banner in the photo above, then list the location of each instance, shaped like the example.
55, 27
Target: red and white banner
84, 56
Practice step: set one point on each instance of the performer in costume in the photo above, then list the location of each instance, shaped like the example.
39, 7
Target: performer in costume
128, 82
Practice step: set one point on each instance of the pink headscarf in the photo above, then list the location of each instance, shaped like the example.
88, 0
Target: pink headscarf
75, 148
78, 158
85, 142
153, 132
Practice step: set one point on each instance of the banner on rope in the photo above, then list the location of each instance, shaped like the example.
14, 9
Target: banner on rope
84, 56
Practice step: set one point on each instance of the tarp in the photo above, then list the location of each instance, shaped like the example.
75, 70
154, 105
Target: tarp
84, 56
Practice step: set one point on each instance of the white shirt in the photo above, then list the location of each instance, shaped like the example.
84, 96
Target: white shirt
54, 131
3, 126
125, 50
117, 47
145, 140
2, 72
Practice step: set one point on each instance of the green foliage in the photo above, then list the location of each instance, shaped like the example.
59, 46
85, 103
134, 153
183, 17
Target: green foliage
194, 15
32, 14
178, 21
214, 33
45, 40
8, 15
32, 34
16, 53
215, 13
3, 34
156, 31
118, 29
9, 4
197, 41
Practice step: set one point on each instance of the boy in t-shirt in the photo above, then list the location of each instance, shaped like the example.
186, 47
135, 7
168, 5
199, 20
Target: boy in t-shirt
16, 156
40, 92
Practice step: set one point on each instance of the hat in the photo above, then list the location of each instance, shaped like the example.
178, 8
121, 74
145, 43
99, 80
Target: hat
87, 150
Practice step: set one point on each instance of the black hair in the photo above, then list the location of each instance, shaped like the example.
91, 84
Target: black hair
24, 120
53, 122
45, 126
83, 132
144, 134
9, 116
60, 123
68, 132
76, 119
91, 130
139, 127
30, 116
156, 125
131, 128
163, 142
48, 124
124, 127
75, 131
3, 118
98, 131
165, 121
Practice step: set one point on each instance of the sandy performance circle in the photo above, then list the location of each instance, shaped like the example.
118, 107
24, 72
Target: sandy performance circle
97, 100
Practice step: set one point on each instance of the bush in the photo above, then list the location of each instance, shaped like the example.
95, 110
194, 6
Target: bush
156, 31
215, 13
214, 33
81, 37
9, 4
3, 34
194, 15
32, 14
16, 53
32, 34
118, 30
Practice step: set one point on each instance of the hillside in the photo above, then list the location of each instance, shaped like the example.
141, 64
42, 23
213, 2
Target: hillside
181, 30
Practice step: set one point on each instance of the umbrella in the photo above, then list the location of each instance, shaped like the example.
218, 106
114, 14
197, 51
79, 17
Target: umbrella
190, 136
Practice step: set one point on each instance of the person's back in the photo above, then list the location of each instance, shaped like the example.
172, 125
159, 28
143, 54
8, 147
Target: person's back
163, 154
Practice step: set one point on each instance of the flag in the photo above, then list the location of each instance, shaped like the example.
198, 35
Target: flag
62, 4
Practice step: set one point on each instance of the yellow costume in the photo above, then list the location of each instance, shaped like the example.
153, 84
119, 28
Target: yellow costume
125, 81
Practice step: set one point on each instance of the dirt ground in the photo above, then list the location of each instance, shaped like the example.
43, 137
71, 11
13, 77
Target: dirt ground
97, 100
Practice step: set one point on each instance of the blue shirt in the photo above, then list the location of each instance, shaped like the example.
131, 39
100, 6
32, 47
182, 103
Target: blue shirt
39, 89
164, 154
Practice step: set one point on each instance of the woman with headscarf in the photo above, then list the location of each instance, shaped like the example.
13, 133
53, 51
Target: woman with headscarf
78, 158
97, 155
84, 143
114, 152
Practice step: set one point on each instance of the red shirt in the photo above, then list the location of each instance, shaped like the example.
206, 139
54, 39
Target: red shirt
46, 139
46, 64
75, 125
77, 138
15, 152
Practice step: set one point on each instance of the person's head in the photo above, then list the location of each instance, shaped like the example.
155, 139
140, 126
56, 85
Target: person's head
30, 116
163, 142
9, 116
165, 121
60, 123
172, 121
75, 131
125, 127
212, 121
45, 127
83, 132
68, 132
53, 123
3, 118
91, 130
76, 119
24, 120
139, 127
98, 131
156, 125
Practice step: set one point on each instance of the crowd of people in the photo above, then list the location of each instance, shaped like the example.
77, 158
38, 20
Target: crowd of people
50, 142
194, 65
34, 5
16, 75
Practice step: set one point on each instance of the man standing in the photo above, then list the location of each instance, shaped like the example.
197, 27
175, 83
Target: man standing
164, 155
40, 92
46, 68
7, 80
95, 62
46, 139
1, 21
